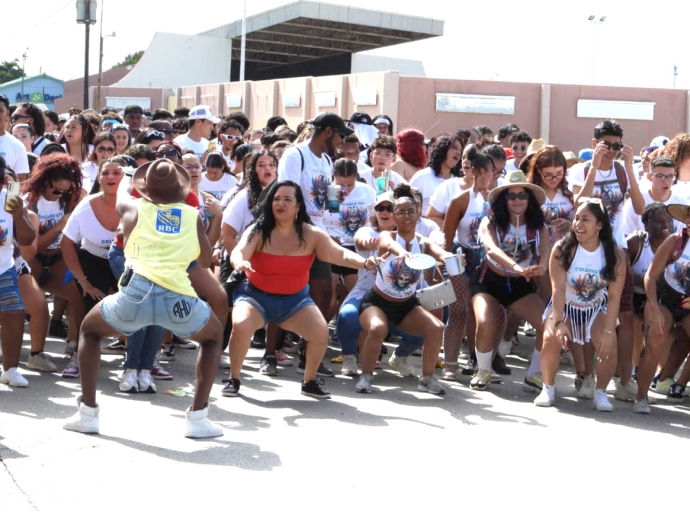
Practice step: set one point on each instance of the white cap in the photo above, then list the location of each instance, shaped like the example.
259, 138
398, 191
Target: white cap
659, 141
203, 112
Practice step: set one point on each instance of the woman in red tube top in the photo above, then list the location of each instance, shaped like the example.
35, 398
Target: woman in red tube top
276, 254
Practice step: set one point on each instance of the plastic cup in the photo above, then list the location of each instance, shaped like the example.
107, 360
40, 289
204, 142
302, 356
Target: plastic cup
454, 265
334, 198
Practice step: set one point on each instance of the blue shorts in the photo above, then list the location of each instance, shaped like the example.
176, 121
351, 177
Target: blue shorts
10, 298
273, 307
142, 303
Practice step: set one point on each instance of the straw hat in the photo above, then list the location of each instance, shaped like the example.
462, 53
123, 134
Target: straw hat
571, 158
678, 212
535, 146
162, 182
518, 179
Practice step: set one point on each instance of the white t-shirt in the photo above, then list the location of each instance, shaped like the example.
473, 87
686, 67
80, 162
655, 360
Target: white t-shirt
199, 148
14, 153
84, 228
365, 278
312, 173
354, 213
682, 188
444, 194
218, 188
89, 171
6, 235
607, 188
425, 227
88, 152
633, 222
238, 215
427, 182
510, 165
368, 176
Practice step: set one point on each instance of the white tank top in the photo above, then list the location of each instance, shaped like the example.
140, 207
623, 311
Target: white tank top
49, 213
467, 233
677, 274
395, 278
515, 244
639, 268
6, 236
585, 286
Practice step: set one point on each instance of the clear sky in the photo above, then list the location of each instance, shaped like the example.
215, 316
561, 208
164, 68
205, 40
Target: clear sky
527, 41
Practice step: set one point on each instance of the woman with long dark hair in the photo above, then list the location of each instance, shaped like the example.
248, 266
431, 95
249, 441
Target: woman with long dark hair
383, 124
104, 146
445, 156
123, 138
411, 152
517, 249
587, 272
77, 138
217, 179
276, 254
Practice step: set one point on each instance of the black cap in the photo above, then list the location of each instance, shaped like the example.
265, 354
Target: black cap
330, 120
3, 99
361, 118
133, 109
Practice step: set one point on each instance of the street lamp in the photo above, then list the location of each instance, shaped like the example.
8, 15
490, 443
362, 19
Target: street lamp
244, 40
100, 63
23, 64
86, 14
595, 21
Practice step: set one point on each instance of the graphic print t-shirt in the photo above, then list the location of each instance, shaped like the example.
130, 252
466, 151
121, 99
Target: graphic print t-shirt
354, 214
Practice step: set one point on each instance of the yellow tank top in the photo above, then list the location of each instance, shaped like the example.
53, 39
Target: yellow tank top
163, 244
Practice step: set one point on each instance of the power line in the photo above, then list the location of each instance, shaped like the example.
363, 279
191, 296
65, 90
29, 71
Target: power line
42, 21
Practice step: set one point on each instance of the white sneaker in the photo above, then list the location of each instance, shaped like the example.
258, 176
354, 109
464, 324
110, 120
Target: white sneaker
587, 389
13, 378
625, 393
349, 367
547, 397
70, 347
84, 421
430, 384
41, 363
401, 365
642, 406
224, 362
601, 401
199, 426
364, 383
146, 384
129, 383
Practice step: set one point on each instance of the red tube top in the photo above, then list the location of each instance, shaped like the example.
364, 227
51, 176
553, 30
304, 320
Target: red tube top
279, 274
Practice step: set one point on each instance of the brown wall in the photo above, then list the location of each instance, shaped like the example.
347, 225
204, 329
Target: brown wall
74, 89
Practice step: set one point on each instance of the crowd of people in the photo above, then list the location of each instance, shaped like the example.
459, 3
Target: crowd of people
152, 229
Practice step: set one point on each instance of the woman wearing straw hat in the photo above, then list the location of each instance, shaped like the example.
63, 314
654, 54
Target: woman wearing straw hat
517, 248
666, 302
587, 272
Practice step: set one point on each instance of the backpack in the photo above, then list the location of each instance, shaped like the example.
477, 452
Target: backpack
621, 175
678, 245
641, 240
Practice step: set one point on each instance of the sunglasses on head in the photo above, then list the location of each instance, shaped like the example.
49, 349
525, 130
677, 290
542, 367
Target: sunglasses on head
154, 133
616, 146
171, 153
592, 200
514, 196
381, 208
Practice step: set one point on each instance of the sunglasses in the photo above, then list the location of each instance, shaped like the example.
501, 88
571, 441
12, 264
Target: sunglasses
519, 148
515, 196
171, 153
17, 117
380, 208
154, 133
104, 149
230, 137
616, 146
592, 200
57, 192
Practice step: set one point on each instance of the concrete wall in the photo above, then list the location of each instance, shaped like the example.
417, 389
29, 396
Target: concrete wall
365, 63
74, 89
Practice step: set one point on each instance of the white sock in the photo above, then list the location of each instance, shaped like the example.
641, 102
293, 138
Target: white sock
535, 363
504, 347
484, 360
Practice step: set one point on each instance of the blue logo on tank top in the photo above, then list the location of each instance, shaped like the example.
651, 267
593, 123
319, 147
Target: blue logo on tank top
169, 221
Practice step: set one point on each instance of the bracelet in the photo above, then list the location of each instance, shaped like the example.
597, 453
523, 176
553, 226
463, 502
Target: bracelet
365, 264
608, 332
80, 280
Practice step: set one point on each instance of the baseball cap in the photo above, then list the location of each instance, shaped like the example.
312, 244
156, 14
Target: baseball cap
133, 109
659, 141
203, 112
585, 154
386, 196
330, 120
361, 118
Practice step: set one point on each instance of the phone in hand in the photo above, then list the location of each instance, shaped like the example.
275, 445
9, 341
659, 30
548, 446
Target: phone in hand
12, 194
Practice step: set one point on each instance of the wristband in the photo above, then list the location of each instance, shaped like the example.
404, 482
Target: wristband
80, 280
608, 332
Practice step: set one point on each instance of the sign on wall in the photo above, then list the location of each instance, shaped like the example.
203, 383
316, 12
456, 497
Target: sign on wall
475, 103
605, 109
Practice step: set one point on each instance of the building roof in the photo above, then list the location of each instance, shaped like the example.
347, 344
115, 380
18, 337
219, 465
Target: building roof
307, 30
29, 78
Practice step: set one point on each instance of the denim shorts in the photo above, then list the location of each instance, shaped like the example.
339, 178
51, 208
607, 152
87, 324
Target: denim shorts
272, 306
10, 298
142, 303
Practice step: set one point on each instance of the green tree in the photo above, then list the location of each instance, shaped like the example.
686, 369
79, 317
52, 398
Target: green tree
130, 59
10, 71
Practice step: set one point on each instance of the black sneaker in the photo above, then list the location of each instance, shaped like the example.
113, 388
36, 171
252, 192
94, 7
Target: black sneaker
184, 343
57, 329
259, 339
471, 365
268, 366
232, 387
168, 353
675, 394
499, 366
321, 372
315, 389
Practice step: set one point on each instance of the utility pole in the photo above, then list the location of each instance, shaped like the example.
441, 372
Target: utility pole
86, 14
675, 74
244, 40
100, 61
23, 65
596, 22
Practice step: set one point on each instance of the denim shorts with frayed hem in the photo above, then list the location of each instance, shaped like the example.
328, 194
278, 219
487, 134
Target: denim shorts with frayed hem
272, 306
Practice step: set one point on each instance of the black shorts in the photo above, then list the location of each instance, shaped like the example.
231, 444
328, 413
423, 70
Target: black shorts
671, 299
319, 270
344, 271
505, 290
394, 311
628, 291
639, 300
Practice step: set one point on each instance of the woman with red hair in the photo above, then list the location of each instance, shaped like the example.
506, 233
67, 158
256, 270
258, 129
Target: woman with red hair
411, 153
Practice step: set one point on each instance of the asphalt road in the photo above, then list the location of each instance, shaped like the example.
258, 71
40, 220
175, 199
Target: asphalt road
396, 448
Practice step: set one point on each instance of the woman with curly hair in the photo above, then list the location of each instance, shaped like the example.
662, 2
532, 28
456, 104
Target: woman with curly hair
411, 153
276, 254
104, 146
53, 191
446, 153
678, 149
587, 272
77, 138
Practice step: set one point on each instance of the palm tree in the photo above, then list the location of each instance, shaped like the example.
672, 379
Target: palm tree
10, 71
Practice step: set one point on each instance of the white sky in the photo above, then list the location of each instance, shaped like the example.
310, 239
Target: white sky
505, 40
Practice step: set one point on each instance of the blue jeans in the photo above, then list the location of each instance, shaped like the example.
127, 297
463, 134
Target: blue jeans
142, 346
349, 328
